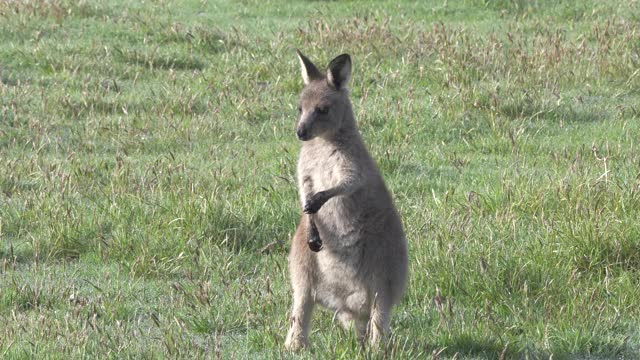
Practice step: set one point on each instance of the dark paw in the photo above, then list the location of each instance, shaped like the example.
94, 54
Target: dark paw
314, 241
314, 203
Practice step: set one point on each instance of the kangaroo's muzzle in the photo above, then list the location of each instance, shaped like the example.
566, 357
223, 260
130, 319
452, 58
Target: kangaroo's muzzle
303, 134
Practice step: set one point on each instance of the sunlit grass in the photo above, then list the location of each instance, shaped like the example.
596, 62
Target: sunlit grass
147, 182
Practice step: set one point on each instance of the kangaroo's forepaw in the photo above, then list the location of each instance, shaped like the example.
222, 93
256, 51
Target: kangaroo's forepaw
314, 241
314, 204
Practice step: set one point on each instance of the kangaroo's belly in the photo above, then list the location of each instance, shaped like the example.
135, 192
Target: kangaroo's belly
341, 286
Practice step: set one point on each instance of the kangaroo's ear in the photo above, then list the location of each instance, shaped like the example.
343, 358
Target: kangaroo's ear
339, 72
309, 71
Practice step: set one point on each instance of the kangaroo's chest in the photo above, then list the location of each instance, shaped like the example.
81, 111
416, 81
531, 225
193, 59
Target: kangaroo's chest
320, 168
338, 220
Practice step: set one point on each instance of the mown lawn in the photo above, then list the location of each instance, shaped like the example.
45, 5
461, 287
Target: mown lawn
147, 174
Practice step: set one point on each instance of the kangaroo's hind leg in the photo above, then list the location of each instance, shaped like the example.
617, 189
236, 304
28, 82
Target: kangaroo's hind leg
380, 318
348, 320
302, 269
298, 335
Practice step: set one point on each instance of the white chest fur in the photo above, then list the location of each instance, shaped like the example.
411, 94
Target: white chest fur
321, 167
322, 164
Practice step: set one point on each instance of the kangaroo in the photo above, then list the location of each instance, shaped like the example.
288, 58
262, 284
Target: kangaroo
359, 268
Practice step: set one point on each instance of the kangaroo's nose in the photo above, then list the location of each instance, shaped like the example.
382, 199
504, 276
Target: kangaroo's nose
302, 134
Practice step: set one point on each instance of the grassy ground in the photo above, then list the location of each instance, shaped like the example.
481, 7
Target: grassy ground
147, 160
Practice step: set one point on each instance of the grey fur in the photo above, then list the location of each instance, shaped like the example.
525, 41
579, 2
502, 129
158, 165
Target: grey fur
361, 271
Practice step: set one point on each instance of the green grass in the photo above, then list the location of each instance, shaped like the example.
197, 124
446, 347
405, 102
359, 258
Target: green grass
147, 174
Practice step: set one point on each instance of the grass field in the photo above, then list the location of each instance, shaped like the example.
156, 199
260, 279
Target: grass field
147, 174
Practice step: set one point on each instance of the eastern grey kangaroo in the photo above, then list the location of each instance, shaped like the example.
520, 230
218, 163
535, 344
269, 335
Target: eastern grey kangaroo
360, 271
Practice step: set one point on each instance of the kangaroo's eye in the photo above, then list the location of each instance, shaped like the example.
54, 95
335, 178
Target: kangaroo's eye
322, 110
299, 109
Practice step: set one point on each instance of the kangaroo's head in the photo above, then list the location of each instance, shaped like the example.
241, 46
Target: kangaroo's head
324, 106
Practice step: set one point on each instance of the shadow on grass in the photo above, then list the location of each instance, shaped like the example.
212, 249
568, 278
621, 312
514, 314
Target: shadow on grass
603, 255
241, 234
9, 79
211, 41
565, 113
161, 61
77, 108
466, 346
